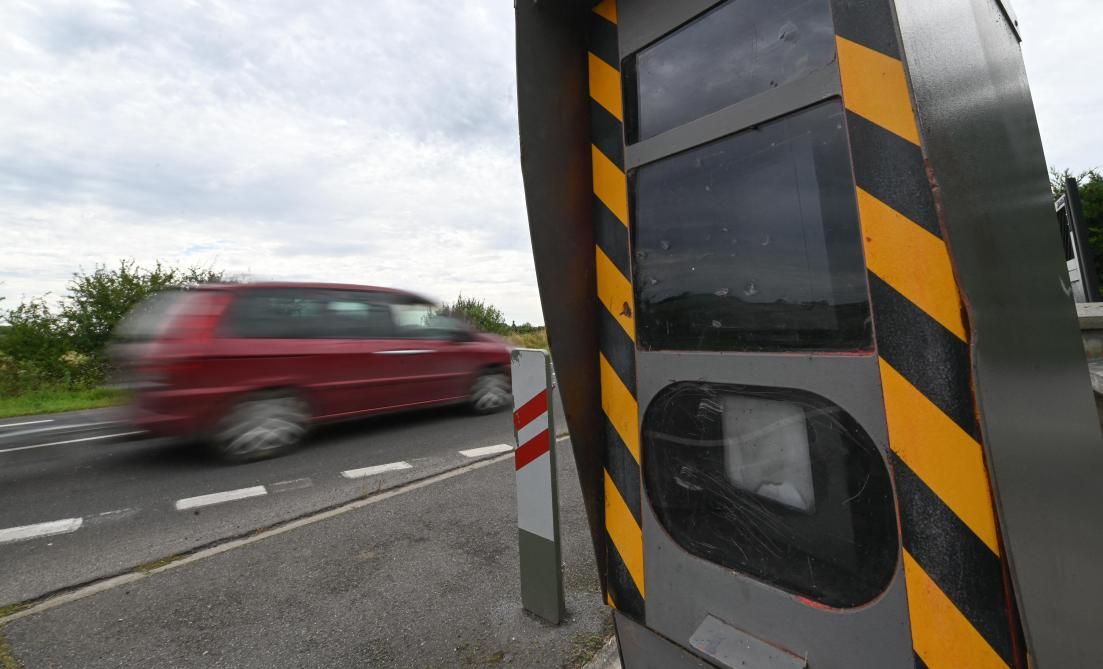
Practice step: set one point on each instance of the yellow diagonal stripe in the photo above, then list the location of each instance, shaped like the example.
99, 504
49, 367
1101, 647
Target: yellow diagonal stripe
605, 86
621, 408
911, 260
941, 635
876, 88
615, 292
948, 460
610, 185
607, 9
625, 533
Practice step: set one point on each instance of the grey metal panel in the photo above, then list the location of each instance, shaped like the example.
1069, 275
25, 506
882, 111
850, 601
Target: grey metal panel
734, 648
683, 589
1040, 429
776, 102
640, 648
553, 107
641, 22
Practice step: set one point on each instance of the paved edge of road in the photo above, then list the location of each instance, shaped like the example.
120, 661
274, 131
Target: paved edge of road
606, 658
57, 598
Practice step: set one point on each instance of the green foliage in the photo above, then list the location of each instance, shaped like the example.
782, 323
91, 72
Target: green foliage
478, 314
98, 301
63, 345
1091, 201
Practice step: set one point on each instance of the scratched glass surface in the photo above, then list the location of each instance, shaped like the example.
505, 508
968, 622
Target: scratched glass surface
837, 547
734, 52
752, 242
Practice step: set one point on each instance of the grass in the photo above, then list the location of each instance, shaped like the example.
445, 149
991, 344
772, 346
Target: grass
537, 339
52, 400
7, 657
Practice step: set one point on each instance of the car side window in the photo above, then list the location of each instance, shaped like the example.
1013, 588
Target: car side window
422, 321
311, 314
355, 316
272, 314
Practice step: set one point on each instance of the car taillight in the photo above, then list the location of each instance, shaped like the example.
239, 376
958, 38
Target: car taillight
197, 321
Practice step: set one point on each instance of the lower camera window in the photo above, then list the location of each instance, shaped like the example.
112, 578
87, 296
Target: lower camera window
779, 484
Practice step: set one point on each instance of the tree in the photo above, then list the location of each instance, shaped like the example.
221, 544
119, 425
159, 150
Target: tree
66, 342
96, 302
478, 314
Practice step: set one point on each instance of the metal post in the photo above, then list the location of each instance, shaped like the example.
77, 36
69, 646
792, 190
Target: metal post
537, 495
1079, 228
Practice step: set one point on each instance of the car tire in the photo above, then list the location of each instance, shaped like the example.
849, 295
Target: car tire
261, 426
490, 393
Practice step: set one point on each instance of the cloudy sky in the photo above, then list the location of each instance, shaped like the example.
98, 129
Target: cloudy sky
344, 140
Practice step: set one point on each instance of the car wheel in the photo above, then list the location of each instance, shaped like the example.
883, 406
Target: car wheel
490, 392
261, 426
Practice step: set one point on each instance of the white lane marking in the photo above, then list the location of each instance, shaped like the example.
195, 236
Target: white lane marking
73, 441
58, 428
486, 450
375, 469
13, 534
293, 484
220, 497
27, 422
218, 549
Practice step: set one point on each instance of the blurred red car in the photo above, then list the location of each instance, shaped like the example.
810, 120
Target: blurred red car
248, 367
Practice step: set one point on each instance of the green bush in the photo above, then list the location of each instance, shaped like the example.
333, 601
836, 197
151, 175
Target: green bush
478, 314
63, 346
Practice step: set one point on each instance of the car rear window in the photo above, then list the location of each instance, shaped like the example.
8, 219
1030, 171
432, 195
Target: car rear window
152, 316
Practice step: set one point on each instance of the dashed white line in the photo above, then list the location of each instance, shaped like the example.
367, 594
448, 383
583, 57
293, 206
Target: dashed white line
375, 469
13, 534
72, 441
220, 497
486, 450
27, 422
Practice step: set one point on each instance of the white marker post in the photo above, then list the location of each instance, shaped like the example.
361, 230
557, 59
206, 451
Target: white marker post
537, 497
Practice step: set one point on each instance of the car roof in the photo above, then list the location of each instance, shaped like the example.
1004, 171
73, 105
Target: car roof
308, 285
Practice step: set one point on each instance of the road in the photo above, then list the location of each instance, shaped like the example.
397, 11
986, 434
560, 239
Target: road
82, 499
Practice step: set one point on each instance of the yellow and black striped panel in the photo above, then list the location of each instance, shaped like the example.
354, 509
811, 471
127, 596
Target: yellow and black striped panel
616, 318
960, 608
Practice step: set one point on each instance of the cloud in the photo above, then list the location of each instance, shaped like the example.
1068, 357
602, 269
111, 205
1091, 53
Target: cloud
363, 142
369, 142
1062, 55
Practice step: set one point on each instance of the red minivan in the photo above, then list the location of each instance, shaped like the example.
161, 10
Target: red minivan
248, 367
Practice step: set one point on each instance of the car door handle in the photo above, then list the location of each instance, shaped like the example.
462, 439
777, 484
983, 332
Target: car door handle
405, 351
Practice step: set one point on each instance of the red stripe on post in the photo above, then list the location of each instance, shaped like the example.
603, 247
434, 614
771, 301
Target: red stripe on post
530, 410
533, 448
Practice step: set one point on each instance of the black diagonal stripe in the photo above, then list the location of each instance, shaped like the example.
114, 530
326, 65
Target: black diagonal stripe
605, 133
962, 566
891, 169
928, 355
612, 236
623, 469
603, 40
617, 348
919, 663
625, 594
867, 22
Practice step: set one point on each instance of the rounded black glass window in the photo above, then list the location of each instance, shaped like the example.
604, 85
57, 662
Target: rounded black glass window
778, 484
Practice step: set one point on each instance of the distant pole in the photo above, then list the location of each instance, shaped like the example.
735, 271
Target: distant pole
537, 496
1079, 227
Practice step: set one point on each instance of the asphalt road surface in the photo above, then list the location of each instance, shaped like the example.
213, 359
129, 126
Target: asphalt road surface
83, 498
